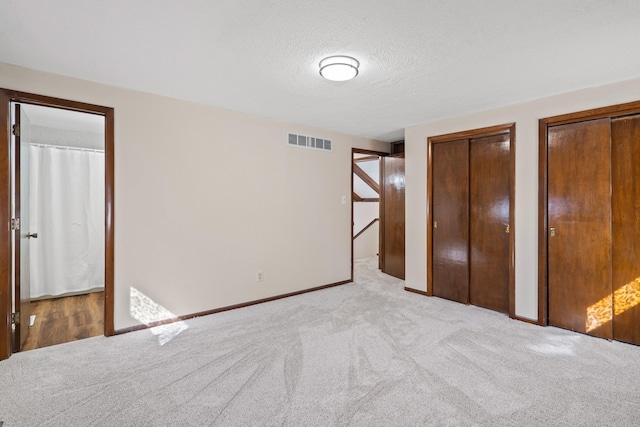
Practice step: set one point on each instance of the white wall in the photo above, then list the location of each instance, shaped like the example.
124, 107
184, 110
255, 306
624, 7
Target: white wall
526, 117
205, 197
366, 245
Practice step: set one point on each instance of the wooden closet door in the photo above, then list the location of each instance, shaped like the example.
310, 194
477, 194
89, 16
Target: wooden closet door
489, 217
625, 209
393, 215
579, 221
450, 228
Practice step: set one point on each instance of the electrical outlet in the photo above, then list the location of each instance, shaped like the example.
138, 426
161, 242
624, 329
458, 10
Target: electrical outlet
344, 200
259, 276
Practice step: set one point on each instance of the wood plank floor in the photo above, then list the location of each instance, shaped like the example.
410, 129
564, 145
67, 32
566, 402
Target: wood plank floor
65, 319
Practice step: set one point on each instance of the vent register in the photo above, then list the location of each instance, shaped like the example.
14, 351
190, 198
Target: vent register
309, 142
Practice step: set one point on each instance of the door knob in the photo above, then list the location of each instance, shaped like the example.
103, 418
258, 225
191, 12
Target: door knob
435, 224
32, 235
507, 229
552, 232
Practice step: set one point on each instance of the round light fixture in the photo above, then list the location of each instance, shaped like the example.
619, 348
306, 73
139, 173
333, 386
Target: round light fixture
339, 68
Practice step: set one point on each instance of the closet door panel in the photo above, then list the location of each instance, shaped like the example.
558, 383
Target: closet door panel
579, 220
625, 209
489, 217
451, 220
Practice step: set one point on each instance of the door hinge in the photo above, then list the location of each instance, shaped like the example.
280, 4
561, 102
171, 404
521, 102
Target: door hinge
15, 318
15, 223
16, 130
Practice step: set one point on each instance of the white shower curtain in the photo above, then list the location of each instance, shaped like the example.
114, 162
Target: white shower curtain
67, 212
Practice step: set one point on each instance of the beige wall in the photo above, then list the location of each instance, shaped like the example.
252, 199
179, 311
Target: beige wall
205, 197
526, 117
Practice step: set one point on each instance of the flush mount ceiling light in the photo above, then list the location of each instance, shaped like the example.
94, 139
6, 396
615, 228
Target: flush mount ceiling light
339, 68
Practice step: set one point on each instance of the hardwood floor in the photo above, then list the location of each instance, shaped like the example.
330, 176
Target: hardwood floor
65, 319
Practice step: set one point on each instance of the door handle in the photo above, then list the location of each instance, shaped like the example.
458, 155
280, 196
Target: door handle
552, 232
507, 229
435, 224
32, 235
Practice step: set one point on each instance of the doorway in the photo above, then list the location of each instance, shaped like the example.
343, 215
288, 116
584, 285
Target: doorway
470, 233
58, 192
365, 195
377, 208
92, 268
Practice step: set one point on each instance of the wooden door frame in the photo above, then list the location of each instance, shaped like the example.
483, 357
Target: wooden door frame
509, 128
611, 112
6, 97
374, 153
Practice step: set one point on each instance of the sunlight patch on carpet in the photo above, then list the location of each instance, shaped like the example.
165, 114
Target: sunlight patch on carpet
147, 311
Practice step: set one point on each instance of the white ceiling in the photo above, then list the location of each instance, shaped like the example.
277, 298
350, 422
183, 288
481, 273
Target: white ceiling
420, 59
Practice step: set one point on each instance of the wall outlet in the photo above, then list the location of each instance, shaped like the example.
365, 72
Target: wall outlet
259, 276
344, 200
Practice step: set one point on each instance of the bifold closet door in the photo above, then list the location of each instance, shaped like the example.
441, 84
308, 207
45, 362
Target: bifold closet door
579, 227
451, 220
625, 209
489, 222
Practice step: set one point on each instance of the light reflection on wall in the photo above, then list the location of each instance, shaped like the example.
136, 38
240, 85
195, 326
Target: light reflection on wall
623, 299
147, 311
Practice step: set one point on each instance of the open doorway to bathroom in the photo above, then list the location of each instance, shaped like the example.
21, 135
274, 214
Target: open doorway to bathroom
58, 191
15, 295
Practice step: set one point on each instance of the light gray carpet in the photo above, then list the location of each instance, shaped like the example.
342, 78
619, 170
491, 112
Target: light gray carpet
362, 354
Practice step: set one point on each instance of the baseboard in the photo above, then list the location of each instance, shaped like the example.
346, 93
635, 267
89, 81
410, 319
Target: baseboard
227, 308
415, 291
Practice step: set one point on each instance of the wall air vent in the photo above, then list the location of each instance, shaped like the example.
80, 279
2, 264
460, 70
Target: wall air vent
309, 142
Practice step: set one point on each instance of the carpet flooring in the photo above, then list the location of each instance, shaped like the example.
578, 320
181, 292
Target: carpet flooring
362, 354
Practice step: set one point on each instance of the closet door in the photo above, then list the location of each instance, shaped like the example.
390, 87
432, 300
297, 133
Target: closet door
579, 233
450, 228
489, 219
625, 209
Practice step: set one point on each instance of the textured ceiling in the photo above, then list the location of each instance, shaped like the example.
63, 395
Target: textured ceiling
420, 59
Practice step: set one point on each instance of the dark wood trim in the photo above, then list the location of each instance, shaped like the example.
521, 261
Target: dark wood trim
512, 220
611, 112
48, 101
17, 213
369, 200
354, 195
429, 263
542, 223
366, 178
474, 133
366, 227
227, 308
5, 229
383, 218
366, 159
416, 291
509, 128
109, 235
596, 113
6, 97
